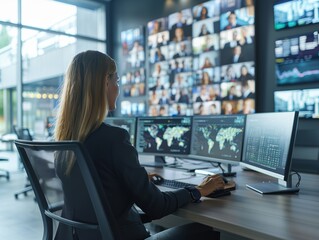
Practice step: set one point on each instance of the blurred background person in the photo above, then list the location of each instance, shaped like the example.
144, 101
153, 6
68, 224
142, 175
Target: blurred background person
248, 106
230, 75
206, 79
245, 38
228, 108
159, 56
202, 97
207, 63
244, 74
203, 13
231, 94
204, 31
178, 35
248, 88
232, 21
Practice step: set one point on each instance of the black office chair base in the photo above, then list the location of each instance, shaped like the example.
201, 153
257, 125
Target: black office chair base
23, 191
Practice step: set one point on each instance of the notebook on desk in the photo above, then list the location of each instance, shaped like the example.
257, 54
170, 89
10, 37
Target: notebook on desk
271, 188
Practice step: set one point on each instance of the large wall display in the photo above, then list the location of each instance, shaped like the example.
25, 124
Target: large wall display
201, 60
133, 79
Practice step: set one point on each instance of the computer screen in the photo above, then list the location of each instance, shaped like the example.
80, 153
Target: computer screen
128, 123
217, 138
268, 143
297, 59
306, 101
292, 13
164, 136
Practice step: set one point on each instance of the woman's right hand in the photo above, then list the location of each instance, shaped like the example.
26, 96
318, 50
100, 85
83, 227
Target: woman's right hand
211, 184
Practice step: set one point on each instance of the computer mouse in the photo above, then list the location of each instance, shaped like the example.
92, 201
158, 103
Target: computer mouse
225, 180
157, 180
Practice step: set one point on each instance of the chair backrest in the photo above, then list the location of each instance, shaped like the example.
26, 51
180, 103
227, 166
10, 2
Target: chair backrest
22, 133
82, 190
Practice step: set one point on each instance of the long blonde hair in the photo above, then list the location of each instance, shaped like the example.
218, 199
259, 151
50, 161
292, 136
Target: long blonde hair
83, 102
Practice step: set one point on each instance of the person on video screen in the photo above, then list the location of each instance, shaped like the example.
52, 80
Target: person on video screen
207, 63
232, 21
180, 23
179, 35
182, 52
204, 31
231, 94
159, 56
244, 74
203, 14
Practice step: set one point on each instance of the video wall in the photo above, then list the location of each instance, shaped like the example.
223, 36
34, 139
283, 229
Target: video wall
133, 79
297, 58
200, 61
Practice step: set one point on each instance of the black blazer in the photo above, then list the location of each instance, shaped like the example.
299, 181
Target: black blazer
125, 182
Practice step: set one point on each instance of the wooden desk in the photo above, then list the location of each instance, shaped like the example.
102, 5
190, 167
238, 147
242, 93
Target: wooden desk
249, 214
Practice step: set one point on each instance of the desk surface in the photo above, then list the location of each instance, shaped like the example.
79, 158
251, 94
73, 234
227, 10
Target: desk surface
252, 215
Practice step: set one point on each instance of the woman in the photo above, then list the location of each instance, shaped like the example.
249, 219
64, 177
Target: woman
244, 74
205, 79
90, 90
207, 63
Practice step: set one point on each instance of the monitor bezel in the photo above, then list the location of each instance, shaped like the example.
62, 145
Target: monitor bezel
214, 159
285, 176
184, 155
124, 118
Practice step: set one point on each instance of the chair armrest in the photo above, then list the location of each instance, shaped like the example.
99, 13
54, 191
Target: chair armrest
56, 206
71, 223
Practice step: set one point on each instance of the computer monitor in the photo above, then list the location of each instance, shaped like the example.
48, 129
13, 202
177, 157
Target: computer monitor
293, 13
128, 123
297, 59
163, 136
268, 145
218, 138
305, 101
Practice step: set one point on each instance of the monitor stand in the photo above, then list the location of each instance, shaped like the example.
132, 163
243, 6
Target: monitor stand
273, 188
229, 172
159, 162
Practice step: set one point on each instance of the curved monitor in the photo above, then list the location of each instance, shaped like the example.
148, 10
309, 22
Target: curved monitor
218, 138
128, 123
163, 136
268, 143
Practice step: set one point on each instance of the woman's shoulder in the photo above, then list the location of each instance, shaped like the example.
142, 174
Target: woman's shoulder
111, 129
107, 132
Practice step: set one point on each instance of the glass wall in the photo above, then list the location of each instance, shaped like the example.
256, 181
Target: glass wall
8, 11
8, 76
44, 43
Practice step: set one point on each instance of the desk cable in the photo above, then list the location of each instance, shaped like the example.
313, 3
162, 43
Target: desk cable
298, 175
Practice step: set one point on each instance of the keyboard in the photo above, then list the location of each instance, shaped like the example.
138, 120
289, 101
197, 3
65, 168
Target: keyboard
174, 184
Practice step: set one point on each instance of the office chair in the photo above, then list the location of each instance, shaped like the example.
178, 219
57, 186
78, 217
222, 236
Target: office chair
104, 226
24, 134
